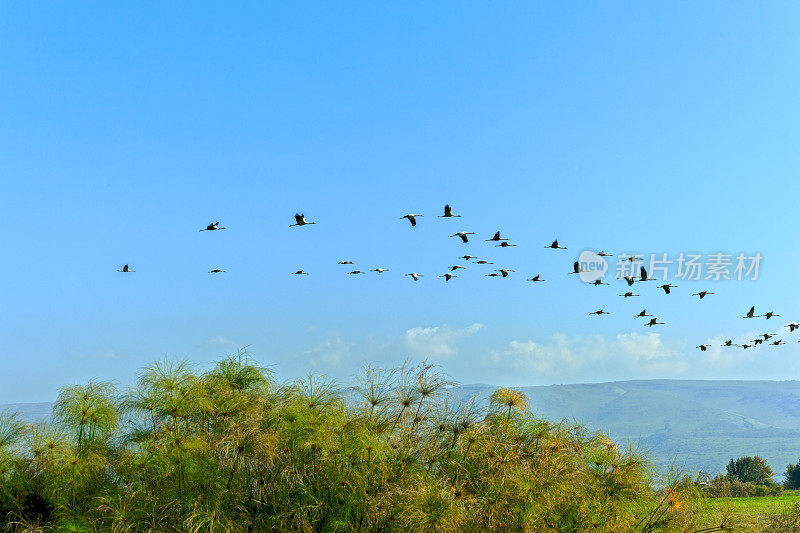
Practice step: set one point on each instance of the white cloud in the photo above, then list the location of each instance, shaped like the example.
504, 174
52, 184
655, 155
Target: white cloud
566, 357
329, 354
440, 342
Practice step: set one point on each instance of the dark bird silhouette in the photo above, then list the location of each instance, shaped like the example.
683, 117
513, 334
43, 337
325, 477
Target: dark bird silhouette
653, 322
554, 245
496, 237
483, 262
770, 314
729, 343
704, 347
213, 227
643, 275
576, 268
643, 313
629, 280
505, 271
448, 212
448, 276
415, 276
792, 326
751, 313
300, 272
702, 294
536, 278
628, 294
463, 235
356, 272
300, 220
215, 271
345, 262
411, 218
666, 287
599, 282
126, 269
599, 312
505, 244
467, 257
380, 270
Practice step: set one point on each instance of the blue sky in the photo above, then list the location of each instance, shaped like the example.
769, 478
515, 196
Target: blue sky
640, 128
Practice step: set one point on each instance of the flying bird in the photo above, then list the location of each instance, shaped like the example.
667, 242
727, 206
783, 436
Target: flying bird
493, 275
599, 312
345, 262
448, 212
300, 272
767, 336
536, 278
746, 346
666, 287
505, 271
215, 271
628, 294
125, 269
467, 257
415, 276
496, 237
653, 321
633, 258
463, 235
300, 220
448, 276
483, 262
356, 272
770, 314
411, 218
603, 254
777, 342
702, 294
704, 347
729, 343
758, 341
599, 282
455, 267
643, 314
554, 245
505, 244
380, 270
751, 313
792, 326
629, 280
576, 268
643, 275
213, 227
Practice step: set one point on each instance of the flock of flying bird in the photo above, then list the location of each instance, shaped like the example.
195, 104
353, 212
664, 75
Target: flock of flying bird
503, 242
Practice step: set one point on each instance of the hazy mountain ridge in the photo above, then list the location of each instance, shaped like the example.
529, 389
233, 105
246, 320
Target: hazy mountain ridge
697, 424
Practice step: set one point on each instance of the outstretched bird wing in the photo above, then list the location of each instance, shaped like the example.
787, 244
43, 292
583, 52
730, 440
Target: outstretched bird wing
447, 211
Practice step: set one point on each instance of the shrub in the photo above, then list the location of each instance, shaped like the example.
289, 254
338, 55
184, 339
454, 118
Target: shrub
231, 450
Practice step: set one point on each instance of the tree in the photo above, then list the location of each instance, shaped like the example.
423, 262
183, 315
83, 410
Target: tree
792, 476
750, 470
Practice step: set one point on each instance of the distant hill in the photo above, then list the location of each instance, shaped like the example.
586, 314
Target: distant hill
694, 424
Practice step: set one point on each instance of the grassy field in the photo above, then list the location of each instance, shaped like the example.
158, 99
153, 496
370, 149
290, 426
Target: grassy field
750, 510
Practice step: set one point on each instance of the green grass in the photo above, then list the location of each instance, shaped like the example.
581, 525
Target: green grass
749, 511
